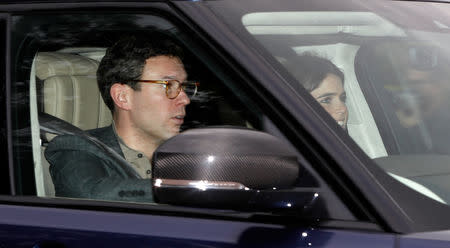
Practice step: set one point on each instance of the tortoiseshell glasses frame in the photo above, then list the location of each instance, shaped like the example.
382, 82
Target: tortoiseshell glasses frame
173, 87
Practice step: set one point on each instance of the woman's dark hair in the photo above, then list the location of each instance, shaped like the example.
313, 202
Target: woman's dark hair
311, 70
124, 61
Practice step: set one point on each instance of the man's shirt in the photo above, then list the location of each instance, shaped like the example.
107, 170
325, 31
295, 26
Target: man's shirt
137, 159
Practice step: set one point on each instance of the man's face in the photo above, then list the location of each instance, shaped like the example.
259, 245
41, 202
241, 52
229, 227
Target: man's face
153, 115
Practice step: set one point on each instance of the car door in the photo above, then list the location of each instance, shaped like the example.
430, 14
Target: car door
237, 94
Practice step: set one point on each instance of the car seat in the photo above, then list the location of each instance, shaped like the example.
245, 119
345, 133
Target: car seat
66, 89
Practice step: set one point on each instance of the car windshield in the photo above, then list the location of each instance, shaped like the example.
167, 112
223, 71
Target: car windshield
385, 64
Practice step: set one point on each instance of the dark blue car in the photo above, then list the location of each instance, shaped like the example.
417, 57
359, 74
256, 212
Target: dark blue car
264, 159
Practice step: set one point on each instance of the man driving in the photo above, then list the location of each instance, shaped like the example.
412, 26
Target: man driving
143, 83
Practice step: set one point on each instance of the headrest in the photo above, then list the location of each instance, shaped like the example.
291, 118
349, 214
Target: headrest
49, 64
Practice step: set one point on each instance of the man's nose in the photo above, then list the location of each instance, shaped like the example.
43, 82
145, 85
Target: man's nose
182, 98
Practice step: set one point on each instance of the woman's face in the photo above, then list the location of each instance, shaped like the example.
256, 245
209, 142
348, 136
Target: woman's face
331, 95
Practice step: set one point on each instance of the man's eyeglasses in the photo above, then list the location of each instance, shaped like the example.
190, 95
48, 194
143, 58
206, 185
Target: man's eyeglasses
173, 87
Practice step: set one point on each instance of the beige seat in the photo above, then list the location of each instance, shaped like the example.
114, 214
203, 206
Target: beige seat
69, 91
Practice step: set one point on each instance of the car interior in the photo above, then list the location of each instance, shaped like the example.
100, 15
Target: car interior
63, 82
336, 36
64, 95
66, 89
366, 47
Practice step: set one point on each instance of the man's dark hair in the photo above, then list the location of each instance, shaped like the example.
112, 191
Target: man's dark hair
311, 70
124, 61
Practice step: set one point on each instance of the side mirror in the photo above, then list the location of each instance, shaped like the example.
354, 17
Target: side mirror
224, 168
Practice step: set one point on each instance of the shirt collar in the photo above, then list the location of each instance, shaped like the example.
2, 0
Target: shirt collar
129, 153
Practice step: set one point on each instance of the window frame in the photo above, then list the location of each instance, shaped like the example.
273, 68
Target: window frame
6, 171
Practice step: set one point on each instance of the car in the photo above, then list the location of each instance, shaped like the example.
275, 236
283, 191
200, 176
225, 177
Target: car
260, 162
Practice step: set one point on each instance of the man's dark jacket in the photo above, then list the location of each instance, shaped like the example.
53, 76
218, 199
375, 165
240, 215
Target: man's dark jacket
82, 169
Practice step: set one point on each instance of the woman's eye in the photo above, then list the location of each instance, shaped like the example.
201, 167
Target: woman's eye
343, 98
325, 100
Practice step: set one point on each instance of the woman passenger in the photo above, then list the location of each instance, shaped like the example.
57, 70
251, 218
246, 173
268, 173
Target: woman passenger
325, 82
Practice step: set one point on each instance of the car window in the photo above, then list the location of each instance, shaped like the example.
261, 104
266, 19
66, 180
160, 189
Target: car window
394, 75
61, 66
56, 74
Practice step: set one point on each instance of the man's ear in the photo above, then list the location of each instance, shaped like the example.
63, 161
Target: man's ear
120, 93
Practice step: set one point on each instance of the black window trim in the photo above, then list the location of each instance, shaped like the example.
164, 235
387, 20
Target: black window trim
5, 126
